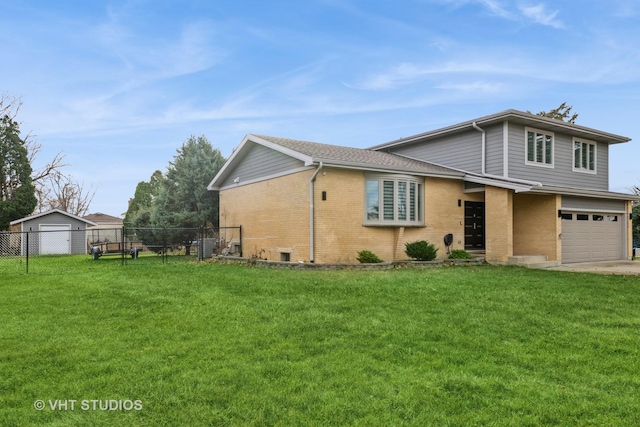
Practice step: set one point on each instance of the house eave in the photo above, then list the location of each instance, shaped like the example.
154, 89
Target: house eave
387, 169
599, 194
41, 214
515, 116
237, 154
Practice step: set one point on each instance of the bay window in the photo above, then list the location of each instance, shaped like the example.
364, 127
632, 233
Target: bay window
394, 200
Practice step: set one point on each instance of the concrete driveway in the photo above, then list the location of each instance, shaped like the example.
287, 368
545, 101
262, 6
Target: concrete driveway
603, 267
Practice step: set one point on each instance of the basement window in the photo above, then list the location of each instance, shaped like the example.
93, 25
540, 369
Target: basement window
285, 257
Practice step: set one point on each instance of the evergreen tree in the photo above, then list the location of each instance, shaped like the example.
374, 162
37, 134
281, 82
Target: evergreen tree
138, 216
183, 199
563, 113
139, 210
17, 192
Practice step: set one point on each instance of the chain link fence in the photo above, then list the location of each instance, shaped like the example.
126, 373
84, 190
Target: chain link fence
24, 251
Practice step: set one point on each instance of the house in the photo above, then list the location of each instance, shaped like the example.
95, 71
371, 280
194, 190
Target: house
107, 229
54, 232
508, 185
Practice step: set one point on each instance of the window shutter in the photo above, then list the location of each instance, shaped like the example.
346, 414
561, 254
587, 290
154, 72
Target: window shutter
387, 196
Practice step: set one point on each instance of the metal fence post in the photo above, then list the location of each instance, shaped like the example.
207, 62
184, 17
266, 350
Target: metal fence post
27, 252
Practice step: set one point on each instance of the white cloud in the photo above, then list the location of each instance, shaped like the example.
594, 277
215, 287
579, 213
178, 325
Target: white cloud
540, 15
495, 7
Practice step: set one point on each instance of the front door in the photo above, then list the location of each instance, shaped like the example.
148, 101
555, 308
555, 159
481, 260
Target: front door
474, 226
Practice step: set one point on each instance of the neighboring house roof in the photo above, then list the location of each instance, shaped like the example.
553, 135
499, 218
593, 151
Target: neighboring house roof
513, 116
29, 218
100, 218
314, 153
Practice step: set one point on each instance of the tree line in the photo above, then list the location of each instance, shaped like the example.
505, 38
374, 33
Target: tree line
177, 198
172, 205
25, 190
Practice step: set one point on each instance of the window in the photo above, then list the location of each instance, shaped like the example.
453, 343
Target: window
598, 217
393, 200
582, 217
584, 156
539, 147
566, 216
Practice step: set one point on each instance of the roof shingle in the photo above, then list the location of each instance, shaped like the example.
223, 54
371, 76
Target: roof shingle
359, 157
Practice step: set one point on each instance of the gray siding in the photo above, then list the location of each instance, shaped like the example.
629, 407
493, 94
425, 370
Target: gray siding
53, 219
77, 233
562, 173
462, 151
494, 150
260, 162
593, 205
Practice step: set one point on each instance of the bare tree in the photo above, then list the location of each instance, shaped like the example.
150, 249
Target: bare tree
53, 189
58, 191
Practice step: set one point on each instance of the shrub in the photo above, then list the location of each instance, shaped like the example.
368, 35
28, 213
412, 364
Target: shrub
460, 254
421, 250
366, 257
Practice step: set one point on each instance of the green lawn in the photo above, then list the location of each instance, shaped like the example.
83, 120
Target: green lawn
208, 344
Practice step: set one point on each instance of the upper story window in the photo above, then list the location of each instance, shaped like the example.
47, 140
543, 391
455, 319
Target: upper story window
584, 156
539, 147
394, 200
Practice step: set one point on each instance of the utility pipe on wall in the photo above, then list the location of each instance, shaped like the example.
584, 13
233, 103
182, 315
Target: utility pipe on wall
312, 214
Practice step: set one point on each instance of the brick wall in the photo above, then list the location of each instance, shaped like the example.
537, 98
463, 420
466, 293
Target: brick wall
274, 215
498, 224
536, 225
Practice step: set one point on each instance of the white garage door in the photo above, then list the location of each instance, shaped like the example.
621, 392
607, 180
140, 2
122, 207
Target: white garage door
55, 239
591, 236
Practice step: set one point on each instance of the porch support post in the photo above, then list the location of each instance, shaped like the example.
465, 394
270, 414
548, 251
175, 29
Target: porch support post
498, 224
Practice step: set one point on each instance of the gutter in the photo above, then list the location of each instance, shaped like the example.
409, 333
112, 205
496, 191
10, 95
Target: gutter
483, 171
312, 214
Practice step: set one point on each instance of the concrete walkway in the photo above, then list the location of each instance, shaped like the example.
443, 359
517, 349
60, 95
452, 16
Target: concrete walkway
602, 267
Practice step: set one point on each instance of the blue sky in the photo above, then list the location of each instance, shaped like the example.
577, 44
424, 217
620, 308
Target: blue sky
119, 86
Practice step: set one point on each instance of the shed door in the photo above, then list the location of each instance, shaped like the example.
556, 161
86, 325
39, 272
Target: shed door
55, 239
591, 236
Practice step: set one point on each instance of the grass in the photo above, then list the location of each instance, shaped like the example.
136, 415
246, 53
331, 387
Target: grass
209, 344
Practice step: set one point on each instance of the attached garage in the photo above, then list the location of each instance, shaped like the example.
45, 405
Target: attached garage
596, 234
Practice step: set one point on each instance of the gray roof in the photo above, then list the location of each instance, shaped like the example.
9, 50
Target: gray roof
58, 211
358, 158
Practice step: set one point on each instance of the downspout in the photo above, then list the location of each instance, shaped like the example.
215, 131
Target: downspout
312, 215
484, 142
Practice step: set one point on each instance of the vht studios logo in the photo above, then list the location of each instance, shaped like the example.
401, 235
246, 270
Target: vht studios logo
88, 405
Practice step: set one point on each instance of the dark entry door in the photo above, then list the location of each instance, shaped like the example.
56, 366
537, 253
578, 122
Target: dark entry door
474, 225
